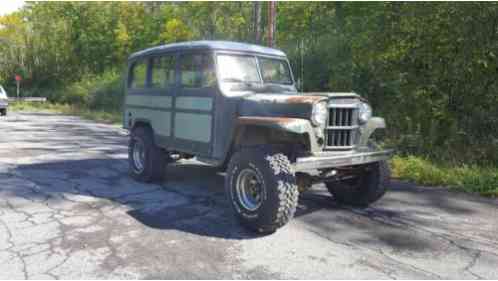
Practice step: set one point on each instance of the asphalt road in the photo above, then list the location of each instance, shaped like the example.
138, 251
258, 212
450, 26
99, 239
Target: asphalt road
69, 210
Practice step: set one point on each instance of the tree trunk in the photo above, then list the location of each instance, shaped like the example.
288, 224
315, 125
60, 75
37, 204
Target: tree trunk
272, 23
257, 22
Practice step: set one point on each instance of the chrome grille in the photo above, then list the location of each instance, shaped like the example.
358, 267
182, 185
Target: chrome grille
342, 127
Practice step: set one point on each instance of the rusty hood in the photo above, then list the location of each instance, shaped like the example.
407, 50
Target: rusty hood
279, 105
337, 95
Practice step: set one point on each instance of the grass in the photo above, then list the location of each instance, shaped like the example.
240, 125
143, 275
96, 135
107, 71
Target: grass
474, 179
112, 117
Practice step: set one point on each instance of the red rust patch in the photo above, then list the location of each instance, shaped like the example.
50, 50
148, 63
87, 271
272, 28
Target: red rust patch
304, 99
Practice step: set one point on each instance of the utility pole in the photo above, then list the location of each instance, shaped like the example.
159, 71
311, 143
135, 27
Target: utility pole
272, 23
257, 22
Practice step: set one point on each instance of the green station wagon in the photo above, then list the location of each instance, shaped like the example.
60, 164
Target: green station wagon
235, 106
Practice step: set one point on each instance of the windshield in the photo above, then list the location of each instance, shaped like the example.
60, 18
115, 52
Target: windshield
275, 71
235, 68
244, 68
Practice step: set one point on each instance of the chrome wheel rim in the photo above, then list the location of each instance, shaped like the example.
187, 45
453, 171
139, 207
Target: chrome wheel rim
249, 189
138, 155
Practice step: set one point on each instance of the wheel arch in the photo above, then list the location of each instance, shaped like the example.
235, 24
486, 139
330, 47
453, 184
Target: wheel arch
141, 122
254, 131
146, 124
260, 134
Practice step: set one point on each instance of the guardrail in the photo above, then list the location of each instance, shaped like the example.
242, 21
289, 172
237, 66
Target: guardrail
30, 99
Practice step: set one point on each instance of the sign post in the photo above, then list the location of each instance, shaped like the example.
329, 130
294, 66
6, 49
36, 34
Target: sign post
18, 83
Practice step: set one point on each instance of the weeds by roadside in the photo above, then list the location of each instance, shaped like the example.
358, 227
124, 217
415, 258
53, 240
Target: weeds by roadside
475, 179
113, 117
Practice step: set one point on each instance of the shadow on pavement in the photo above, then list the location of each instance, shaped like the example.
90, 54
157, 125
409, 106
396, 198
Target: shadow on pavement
192, 200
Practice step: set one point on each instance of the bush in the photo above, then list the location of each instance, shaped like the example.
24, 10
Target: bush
103, 91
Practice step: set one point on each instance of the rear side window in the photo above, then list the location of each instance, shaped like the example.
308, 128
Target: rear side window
163, 71
197, 71
138, 75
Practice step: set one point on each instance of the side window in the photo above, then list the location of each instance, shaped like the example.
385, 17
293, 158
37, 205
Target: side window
138, 75
163, 71
197, 71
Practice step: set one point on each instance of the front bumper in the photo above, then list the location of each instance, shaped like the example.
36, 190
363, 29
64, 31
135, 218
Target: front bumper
331, 160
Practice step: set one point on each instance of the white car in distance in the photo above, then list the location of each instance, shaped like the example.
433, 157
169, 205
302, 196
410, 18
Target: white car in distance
4, 101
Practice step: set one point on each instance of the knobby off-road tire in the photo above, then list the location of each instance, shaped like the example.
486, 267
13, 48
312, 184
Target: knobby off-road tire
369, 187
153, 158
278, 189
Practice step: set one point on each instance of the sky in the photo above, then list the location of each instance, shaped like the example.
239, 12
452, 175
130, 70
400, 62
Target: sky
10, 6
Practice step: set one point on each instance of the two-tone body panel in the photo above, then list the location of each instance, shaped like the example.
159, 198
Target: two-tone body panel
180, 113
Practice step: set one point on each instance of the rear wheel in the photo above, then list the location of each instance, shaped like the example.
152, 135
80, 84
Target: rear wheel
262, 189
366, 188
3, 111
146, 160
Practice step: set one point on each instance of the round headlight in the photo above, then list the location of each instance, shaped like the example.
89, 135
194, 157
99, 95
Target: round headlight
319, 114
365, 112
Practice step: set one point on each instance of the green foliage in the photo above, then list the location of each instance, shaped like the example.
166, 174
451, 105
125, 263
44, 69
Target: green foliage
465, 178
425, 80
175, 31
103, 91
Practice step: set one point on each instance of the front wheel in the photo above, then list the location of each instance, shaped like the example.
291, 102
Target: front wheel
367, 187
262, 190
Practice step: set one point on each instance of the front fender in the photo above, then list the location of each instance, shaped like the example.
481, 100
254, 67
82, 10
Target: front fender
366, 130
285, 124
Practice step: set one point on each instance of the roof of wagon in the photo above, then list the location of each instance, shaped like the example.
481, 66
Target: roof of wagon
211, 45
